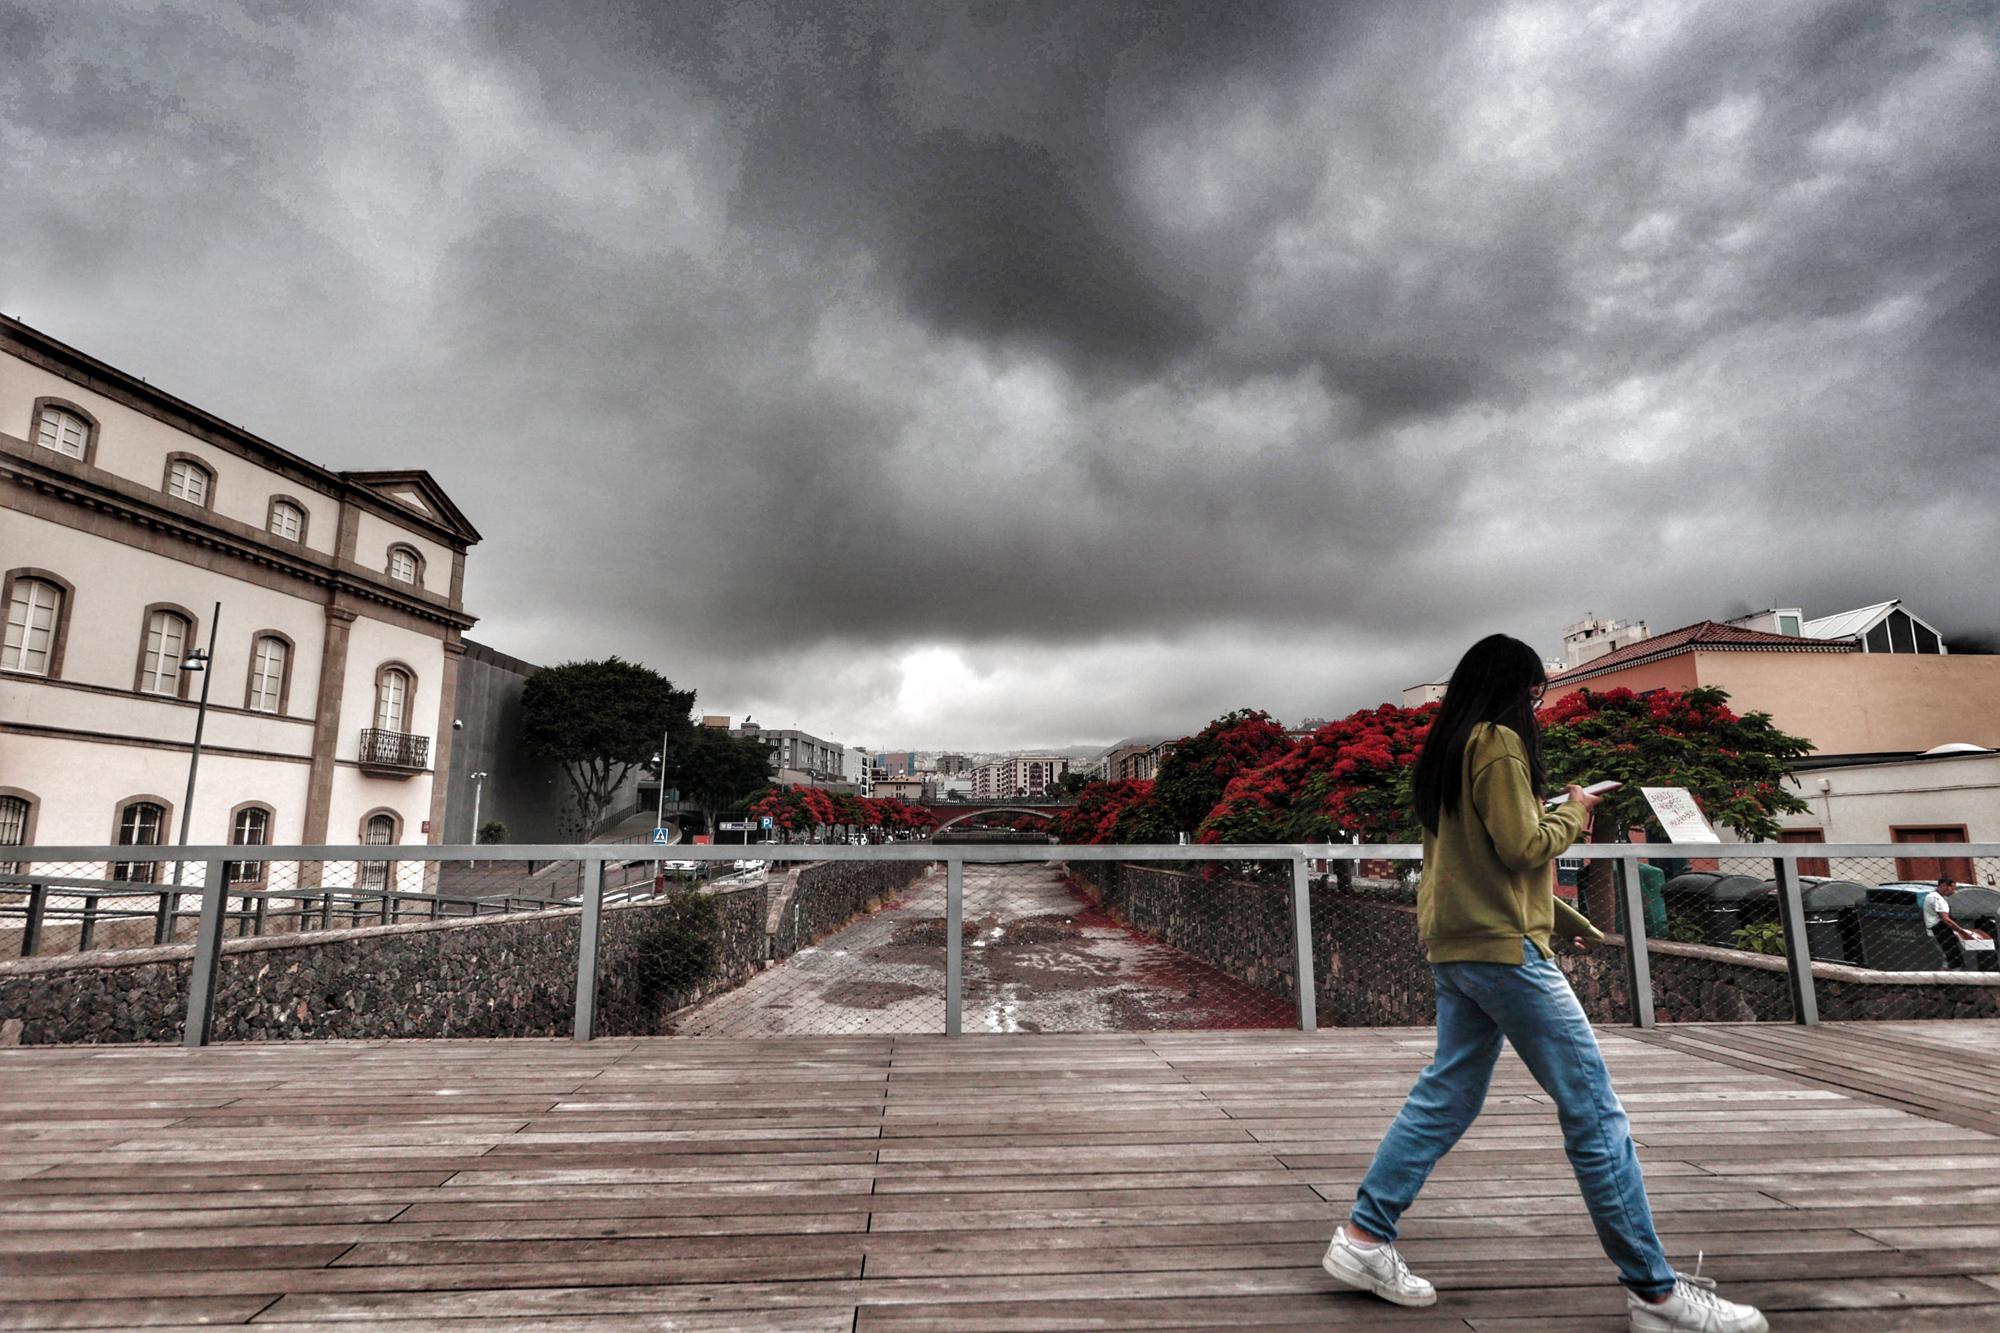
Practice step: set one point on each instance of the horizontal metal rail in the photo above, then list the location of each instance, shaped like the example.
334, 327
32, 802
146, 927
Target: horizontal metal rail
987, 853
214, 893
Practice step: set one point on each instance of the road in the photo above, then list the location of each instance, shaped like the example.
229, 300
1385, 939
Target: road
1037, 958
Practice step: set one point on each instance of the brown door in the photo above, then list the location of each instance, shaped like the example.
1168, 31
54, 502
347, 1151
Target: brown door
1932, 867
1808, 865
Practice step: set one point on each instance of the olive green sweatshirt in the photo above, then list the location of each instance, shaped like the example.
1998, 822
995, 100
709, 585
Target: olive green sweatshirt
1489, 877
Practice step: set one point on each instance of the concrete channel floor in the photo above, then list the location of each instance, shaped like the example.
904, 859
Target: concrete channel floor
1037, 958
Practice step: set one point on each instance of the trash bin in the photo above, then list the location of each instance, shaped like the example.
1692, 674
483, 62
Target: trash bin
1893, 937
1833, 918
1652, 895
1717, 904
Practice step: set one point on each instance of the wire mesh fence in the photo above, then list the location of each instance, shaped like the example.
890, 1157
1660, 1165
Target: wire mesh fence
847, 948
1050, 946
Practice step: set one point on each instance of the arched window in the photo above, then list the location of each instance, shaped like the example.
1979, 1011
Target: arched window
65, 429
287, 520
270, 674
378, 830
168, 632
16, 826
141, 823
405, 565
249, 826
37, 604
188, 478
393, 688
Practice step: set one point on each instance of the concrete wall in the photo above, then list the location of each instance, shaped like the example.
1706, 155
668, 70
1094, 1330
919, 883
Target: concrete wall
1865, 703
530, 795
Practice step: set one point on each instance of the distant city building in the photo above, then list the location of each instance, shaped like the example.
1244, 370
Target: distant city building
798, 758
1146, 766
126, 516
1594, 636
1430, 692
897, 763
1018, 775
1837, 693
953, 764
953, 787
857, 769
916, 790
719, 721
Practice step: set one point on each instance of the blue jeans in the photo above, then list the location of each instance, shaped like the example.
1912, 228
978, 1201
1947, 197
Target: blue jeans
1533, 1007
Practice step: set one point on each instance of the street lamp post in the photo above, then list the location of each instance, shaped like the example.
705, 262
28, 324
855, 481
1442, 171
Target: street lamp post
478, 789
203, 661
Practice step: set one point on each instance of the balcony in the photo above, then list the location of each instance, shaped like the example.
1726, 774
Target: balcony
394, 753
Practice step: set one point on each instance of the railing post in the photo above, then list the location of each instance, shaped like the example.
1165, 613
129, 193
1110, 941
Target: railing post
1302, 949
262, 911
31, 928
592, 895
86, 927
1798, 949
163, 923
954, 946
1638, 962
326, 910
207, 959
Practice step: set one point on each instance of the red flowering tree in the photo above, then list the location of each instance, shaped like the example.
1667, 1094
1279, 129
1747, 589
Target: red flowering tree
1350, 778
1734, 766
1191, 779
1106, 812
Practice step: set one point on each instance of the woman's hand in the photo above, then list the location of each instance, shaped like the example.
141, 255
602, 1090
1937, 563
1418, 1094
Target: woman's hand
1584, 798
1583, 942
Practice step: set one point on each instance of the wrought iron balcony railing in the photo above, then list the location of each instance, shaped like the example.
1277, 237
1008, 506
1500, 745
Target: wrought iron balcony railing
394, 751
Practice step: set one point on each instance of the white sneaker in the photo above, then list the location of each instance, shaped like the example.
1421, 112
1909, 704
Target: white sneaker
1693, 1306
1380, 1271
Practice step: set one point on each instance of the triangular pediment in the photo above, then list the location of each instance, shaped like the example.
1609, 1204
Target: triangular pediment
417, 493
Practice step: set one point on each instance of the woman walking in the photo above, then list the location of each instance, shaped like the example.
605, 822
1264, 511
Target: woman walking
1486, 910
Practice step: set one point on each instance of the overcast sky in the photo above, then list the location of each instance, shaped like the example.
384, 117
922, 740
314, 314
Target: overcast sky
989, 375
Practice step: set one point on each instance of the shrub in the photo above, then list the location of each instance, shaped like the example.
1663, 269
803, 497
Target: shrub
493, 830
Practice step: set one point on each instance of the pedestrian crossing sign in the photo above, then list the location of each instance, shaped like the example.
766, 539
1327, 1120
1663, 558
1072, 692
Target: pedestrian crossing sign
662, 837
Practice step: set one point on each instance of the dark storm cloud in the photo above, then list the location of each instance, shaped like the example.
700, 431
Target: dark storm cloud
929, 364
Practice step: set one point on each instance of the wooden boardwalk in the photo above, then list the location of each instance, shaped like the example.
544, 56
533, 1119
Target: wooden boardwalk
1846, 1179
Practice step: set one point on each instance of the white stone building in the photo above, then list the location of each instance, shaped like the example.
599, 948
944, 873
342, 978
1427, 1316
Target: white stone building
127, 516
1018, 775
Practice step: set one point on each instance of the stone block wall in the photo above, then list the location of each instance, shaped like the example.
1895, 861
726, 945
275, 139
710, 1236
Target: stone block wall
1241, 928
496, 976
826, 895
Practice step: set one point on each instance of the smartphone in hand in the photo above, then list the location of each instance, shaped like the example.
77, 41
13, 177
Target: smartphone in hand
1594, 789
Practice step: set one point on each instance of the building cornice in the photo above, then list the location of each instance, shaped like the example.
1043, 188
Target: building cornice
92, 488
87, 372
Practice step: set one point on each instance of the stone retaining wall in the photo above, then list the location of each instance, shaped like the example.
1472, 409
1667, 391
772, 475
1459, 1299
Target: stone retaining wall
827, 895
1371, 971
496, 976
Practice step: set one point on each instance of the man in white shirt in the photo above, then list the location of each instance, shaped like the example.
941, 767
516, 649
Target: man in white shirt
1947, 932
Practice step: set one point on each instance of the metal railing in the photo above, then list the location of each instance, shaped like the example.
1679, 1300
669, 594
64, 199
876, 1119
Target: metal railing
394, 749
206, 873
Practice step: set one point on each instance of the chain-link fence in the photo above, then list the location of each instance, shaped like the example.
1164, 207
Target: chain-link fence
821, 948
1096, 946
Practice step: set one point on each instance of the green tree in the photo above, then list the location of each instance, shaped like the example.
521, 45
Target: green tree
717, 771
599, 721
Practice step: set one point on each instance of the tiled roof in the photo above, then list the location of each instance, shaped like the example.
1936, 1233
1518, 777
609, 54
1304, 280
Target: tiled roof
1705, 634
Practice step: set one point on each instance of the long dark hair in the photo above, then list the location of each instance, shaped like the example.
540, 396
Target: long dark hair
1495, 682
